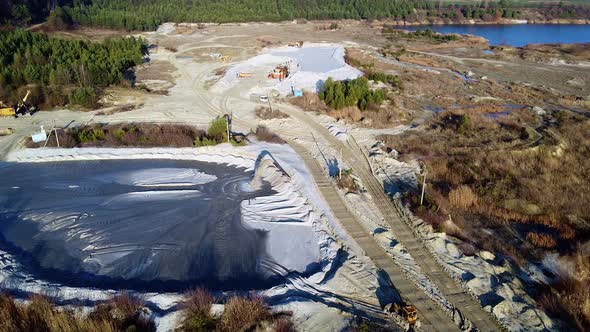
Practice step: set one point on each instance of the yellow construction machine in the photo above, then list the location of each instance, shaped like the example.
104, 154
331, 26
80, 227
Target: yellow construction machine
406, 311
22, 108
243, 75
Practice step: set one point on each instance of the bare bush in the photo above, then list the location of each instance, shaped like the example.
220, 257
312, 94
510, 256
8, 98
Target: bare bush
467, 249
283, 325
38, 314
347, 182
265, 113
242, 314
462, 197
196, 315
541, 240
264, 134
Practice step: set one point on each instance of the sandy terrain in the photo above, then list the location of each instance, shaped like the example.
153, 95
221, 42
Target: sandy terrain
184, 84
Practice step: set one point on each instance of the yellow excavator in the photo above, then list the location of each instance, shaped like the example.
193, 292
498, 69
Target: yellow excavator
22, 108
406, 311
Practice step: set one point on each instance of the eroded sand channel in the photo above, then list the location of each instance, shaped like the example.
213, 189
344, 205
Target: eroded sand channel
150, 220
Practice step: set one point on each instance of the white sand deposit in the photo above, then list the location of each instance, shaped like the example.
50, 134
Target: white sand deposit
309, 67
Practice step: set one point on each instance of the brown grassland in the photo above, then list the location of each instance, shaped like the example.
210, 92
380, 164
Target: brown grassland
514, 184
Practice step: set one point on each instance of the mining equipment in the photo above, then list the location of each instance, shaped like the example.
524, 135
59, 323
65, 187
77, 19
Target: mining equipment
408, 312
280, 72
6, 131
22, 108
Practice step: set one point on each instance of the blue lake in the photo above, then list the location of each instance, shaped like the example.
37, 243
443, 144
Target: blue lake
519, 34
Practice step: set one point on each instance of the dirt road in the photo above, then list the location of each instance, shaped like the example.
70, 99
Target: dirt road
432, 317
353, 155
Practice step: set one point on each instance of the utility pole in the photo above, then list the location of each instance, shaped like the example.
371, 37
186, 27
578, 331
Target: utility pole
423, 187
339, 167
227, 119
55, 131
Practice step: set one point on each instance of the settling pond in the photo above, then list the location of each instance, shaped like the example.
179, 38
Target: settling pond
153, 224
519, 34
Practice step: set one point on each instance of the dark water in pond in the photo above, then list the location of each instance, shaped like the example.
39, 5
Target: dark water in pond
519, 34
152, 224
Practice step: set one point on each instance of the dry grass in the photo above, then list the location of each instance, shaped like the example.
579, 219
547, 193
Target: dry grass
243, 314
265, 113
264, 134
541, 240
531, 195
462, 197
196, 315
570, 297
347, 182
283, 325
120, 314
240, 314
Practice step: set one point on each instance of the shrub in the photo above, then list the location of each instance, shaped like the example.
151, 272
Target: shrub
86, 97
462, 197
541, 240
283, 325
242, 314
119, 134
125, 312
347, 182
197, 312
218, 130
89, 135
122, 313
204, 141
264, 134
265, 113
393, 80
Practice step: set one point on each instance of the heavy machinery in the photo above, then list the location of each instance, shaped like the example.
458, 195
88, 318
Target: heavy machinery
6, 131
7, 111
243, 75
280, 72
22, 108
408, 312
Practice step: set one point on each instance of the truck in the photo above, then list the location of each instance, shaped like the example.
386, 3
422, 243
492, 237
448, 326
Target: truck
243, 75
7, 111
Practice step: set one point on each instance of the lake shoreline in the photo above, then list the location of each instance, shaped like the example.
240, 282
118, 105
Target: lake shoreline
481, 22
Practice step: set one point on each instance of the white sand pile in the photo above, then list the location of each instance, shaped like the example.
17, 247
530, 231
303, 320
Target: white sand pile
309, 66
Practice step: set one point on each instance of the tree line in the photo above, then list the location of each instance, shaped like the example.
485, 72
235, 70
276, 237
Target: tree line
149, 14
60, 71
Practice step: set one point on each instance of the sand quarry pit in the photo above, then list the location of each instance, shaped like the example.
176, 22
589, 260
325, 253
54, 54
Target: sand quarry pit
157, 223
309, 66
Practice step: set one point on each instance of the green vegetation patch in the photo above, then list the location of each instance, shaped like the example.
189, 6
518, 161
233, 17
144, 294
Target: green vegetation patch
65, 71
340, 94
